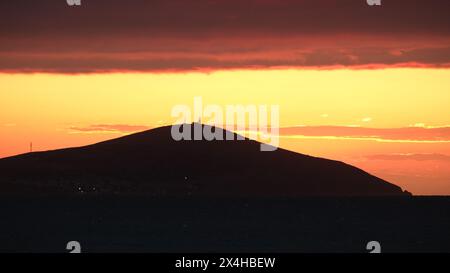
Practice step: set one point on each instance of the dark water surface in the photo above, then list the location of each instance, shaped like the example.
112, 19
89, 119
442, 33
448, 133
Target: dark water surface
140, 224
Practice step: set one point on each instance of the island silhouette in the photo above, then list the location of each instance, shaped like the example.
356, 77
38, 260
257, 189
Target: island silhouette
152, 163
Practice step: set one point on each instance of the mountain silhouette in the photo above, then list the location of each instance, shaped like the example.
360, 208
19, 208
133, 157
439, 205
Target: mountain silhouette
152, 163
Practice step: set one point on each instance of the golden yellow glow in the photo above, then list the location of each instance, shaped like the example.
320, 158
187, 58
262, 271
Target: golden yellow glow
390, 98
43, 107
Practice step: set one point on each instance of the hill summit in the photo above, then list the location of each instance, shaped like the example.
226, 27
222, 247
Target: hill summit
152, 163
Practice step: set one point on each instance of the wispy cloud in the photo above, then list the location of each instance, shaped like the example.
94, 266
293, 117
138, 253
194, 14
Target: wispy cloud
110, 128
406, 134
410, 156
426, 134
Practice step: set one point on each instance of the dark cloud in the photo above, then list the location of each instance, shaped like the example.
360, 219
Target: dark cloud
145, 35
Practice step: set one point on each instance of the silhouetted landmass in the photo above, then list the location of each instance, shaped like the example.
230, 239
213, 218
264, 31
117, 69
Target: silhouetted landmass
152, 163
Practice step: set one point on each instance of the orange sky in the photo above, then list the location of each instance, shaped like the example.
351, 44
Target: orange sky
407, 106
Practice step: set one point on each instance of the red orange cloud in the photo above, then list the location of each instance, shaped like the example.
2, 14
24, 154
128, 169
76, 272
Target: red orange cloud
205, 35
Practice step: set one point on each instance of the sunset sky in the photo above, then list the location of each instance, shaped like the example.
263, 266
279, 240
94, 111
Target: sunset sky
366, 85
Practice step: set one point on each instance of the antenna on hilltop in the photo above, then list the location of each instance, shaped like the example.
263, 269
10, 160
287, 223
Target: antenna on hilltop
31, 147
